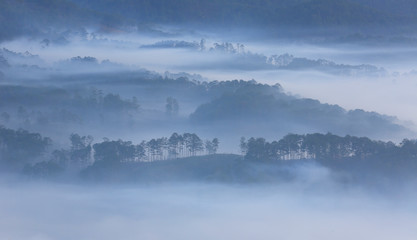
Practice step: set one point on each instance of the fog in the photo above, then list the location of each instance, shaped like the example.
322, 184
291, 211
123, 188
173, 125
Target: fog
190, 211
392, 95
200, 119
381, 78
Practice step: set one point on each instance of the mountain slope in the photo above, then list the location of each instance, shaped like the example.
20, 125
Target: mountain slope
254, 109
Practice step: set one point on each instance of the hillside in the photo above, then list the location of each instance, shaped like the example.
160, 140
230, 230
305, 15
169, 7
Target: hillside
260, 108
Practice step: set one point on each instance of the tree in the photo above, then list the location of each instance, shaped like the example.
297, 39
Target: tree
212, 146
193, 143
78, 142
61, 157
209, 146
44, 169
196, 144
215, 143
153, 149
173, 145
408, 148
171, 106
243, 146
117, 151
257, 149
20, 147
80, 153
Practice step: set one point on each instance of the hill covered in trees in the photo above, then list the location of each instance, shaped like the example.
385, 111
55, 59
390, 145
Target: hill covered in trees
135, 100
327, 147
360, 157
186, 157
20, 147
261, 107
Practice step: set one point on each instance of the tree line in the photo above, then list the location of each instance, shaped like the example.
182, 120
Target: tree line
326, 147
177, 145
83, 153
22, 149
18, 147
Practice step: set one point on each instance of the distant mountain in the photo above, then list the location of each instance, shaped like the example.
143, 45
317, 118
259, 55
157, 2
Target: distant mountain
18, 17
336, 13
403, 8
26, 17
304, 12
236, 57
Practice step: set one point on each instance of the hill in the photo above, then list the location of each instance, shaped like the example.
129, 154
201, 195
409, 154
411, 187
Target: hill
253, 109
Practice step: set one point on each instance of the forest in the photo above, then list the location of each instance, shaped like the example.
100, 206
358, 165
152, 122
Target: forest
188, 157
326, 147
24, 151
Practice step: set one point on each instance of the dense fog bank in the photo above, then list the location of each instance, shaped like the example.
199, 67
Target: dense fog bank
56, 211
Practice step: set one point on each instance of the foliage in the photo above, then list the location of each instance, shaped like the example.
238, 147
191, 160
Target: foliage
212, 146
20, 147
171, 106
117, 151
44, 169
256, 104
80, 153
328, 147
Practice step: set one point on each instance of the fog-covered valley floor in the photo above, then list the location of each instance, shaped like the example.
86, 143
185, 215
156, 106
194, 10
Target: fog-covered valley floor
203, 211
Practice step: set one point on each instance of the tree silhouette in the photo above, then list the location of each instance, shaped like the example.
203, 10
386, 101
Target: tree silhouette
174, 143
243, 146
172, 106
80, 153
20, 147
117, 151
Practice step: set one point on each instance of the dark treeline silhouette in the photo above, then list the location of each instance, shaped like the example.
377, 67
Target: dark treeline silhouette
357, 156
91, 99
51, 108
225, 106
361, 157
83, 153
176, 146
326, 147
20, 147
